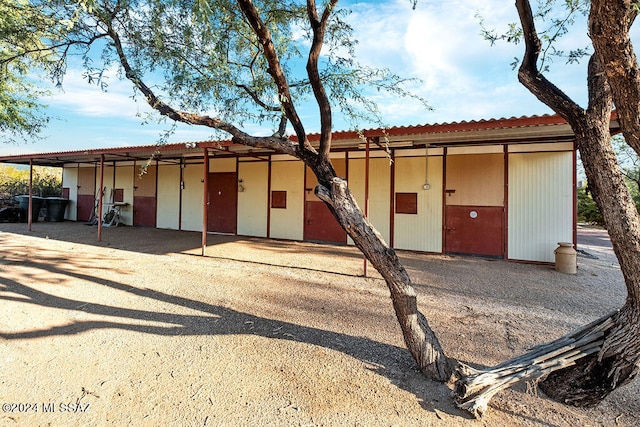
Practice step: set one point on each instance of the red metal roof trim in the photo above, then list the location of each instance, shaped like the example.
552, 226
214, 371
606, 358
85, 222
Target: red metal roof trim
463, 126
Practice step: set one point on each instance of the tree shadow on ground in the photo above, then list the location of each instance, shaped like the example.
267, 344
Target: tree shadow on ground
156, 241
390, 361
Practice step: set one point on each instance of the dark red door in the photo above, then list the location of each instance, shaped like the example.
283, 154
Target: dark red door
85, 206
476, 230
144, 198
86, 193
144, 211
223, 202
320, 224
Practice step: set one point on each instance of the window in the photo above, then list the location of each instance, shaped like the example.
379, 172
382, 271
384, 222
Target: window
407, 203
279, 199
118, 195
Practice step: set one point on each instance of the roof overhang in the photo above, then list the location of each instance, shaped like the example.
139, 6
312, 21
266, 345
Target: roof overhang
515, 130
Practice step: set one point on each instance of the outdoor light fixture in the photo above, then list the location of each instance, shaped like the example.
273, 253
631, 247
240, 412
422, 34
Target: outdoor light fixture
426, 185
240, 186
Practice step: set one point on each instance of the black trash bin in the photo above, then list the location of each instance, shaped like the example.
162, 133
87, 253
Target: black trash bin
55, 208
23, 203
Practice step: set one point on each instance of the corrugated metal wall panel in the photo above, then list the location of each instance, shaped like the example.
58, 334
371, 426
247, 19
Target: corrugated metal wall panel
125, 180
192, 197
379, 190
70, 181
422, 231
288, 223
540, 204
168, 197
107, 181
252, 202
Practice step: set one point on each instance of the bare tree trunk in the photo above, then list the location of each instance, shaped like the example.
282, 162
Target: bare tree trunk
418, 336
609, 25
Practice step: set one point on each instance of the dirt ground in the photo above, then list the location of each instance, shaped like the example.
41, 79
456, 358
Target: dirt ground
141, 330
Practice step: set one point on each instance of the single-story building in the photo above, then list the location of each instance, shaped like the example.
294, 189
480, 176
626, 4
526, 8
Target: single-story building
500, 188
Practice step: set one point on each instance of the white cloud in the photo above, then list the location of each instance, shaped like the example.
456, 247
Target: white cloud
81, 97
463, 76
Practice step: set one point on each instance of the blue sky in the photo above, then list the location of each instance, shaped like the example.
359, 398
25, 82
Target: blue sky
463, 78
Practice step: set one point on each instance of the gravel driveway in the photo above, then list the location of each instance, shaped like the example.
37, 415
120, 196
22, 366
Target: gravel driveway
139, 329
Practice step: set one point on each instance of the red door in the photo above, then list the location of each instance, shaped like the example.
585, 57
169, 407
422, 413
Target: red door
86, 205
86, 193
476, 230
223, 202
319, 223
144, 198
144, 211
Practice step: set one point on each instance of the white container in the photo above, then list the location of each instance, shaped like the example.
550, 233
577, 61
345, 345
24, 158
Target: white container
566, 258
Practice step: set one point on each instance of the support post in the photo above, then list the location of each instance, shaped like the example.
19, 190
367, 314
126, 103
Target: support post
366, 192
30, 207
100, 197
205, 204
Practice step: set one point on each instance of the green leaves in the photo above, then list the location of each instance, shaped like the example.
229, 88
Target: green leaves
200, 56
555, 19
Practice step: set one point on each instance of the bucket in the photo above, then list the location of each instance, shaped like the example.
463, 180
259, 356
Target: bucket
23, 203
55, 208
566, 258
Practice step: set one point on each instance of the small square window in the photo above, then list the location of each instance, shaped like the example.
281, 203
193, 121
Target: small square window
118, 195
407, 203
279, 199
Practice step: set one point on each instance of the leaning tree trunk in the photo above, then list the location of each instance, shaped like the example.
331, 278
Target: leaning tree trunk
418, 335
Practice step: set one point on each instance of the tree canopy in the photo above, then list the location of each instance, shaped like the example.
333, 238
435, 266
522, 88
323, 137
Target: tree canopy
199, 57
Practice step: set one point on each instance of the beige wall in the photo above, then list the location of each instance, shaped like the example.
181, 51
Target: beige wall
541, 203
87, 180
107, 179
379, 191
124, 180
70, 181
168, 212
253, 201
423, 231
478, 179
225, 164
288, 223
192, 197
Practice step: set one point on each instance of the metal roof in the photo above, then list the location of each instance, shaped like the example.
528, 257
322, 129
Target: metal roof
514, 130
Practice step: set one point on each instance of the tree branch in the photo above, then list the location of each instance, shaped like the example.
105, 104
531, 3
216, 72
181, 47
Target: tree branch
532, 78
319, 27
275, 70
278, 144
256, 99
